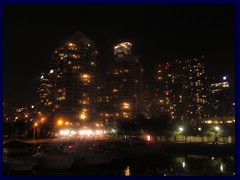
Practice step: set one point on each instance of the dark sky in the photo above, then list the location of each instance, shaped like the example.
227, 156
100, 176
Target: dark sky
157, 32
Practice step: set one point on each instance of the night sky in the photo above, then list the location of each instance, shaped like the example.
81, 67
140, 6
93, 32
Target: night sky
158, 33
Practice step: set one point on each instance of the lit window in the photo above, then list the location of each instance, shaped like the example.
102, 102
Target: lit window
126, 105
85, 77
71, 44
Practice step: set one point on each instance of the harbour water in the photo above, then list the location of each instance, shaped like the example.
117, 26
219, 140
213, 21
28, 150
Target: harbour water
120, 158
153, 165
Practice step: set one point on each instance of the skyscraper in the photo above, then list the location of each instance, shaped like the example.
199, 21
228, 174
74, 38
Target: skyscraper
124, 84
221, 102
181, 90
73, 76
44, 92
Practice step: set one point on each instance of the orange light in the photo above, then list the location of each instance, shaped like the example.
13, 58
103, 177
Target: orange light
148, 137
60, 122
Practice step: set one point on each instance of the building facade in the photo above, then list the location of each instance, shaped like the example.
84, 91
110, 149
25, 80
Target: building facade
124, 85
73, 78
44, 92
221, 103
181, 90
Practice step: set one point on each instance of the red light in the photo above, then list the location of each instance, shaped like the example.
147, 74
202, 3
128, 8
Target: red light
71, 146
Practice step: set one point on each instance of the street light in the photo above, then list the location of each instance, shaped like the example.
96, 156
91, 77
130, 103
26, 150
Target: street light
217, 128
60, 122
181, 129
34, 130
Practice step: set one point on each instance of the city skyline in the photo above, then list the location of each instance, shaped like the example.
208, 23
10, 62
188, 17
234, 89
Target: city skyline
181, 32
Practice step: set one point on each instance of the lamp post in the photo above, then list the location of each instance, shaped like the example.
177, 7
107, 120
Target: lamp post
34, 130
217, 131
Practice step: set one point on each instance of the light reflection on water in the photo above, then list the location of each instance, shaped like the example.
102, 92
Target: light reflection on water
157, 165
127, 171
178, 165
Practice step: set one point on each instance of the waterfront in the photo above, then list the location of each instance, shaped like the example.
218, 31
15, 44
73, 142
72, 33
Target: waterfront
175, 159
192, 165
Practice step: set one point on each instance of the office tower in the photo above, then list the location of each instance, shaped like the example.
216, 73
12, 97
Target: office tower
181, 90
124, 84
73, 78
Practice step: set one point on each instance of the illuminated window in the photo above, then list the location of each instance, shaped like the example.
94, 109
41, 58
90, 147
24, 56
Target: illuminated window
71, 44
85, 78
126, 105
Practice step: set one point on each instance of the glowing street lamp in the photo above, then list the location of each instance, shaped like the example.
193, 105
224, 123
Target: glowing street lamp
217, 128
83, 116
181, 129
60, 122
34, 130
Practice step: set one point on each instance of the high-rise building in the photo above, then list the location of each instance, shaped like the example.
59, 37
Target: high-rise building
73, 78
124, 84
44, 92
221, 103
181, 90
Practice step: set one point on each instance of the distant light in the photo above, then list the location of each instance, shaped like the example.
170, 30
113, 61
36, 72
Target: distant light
148, 137
60, 122
233, 104
71, 147
127, 171
42, 77
224, 77
32, 106
221, 167
199, 128
180, 129
217, 128
183, 164
83, 116
51, 71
